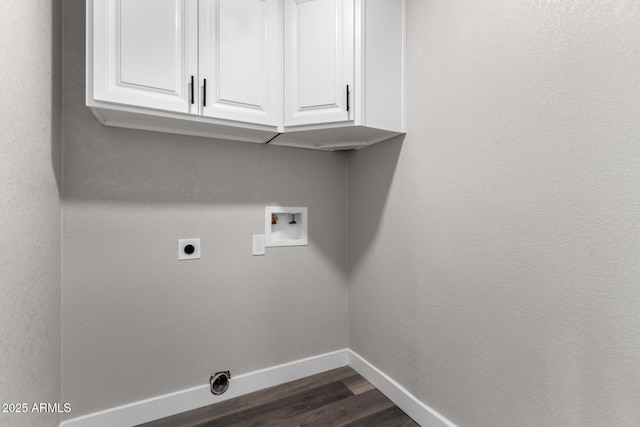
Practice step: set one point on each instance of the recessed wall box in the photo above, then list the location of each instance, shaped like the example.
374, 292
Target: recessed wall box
285, 226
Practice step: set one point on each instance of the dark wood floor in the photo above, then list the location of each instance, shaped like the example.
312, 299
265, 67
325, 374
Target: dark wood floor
339, 397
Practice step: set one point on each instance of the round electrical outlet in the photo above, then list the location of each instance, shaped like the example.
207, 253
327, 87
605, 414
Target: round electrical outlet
188, 249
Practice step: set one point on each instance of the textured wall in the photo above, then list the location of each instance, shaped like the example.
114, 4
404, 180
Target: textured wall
494, 252
137, 323
29, 208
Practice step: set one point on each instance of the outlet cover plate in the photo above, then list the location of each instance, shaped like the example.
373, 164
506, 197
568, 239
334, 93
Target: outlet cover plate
258, 245
183, 243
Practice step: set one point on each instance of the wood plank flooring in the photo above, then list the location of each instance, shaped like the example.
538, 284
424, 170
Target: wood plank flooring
339, 397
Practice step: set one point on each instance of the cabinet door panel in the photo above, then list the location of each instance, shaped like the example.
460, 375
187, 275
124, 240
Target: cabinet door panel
144, 52
239, 58
319, 60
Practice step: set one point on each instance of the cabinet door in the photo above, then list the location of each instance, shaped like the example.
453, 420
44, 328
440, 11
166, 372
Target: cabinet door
319, 61
240, 57
145, 52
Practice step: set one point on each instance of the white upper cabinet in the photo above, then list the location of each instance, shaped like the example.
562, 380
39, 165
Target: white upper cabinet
330, 45
321, 74
240, 60
145, 53
319, 61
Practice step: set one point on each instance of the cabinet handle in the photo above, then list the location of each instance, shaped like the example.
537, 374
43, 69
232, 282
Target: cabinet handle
347, 98
204, 94
192, 90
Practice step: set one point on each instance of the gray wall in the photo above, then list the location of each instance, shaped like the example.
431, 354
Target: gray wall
494, 252
30, 208
136, 322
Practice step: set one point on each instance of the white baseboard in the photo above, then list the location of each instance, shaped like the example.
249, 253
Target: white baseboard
185, 400
421, 413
